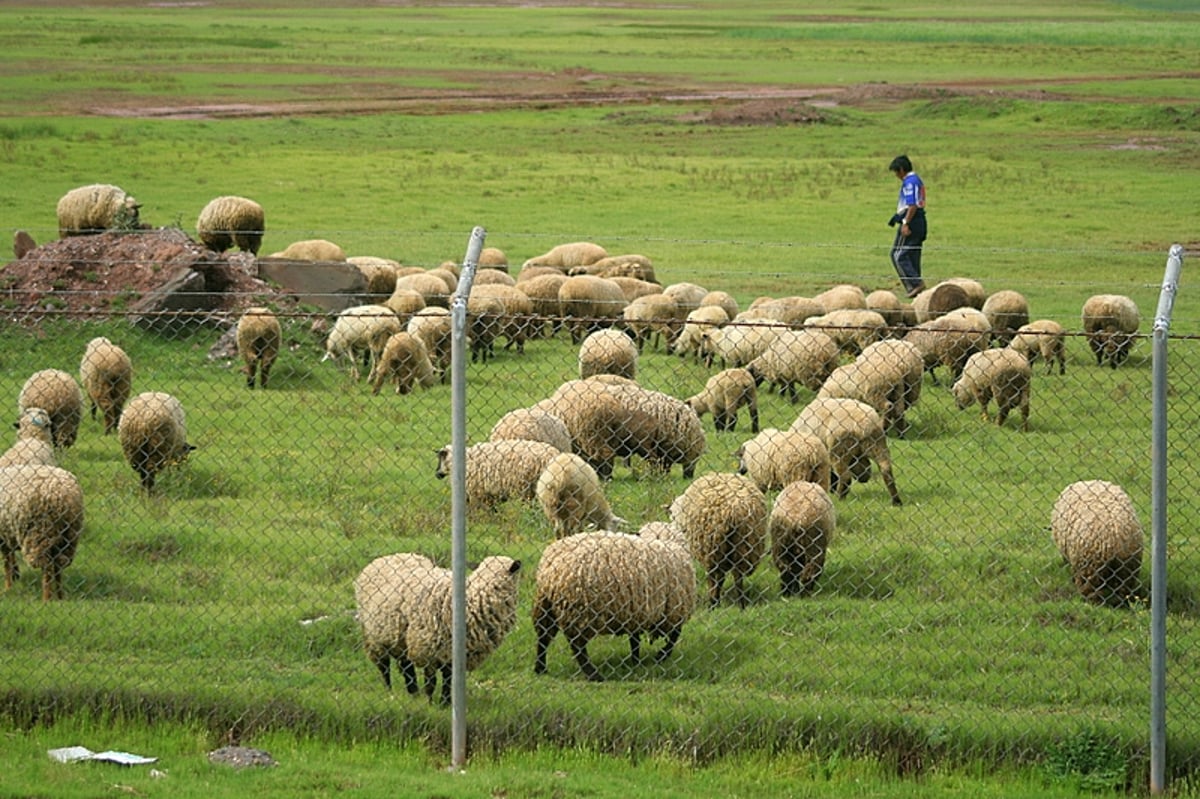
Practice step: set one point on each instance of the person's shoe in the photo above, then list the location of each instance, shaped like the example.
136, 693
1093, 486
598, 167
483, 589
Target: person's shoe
915, 290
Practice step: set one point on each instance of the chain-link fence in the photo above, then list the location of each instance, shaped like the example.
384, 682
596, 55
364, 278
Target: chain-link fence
868, 558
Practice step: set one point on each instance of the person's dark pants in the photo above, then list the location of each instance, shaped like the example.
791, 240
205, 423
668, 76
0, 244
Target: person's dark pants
906, 255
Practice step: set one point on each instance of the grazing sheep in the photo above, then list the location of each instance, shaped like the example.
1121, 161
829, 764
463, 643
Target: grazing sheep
724, 517
361, 332
631, 265
41, 516
1006, 311
688, 296
842, 297
567, 256
1097, 532
588, 303
633, 288
532, 424
432, 288
228, 221
774, 458
950, 340
259, 339
887, 376
888, 305
380, 273
432, 326
34, 444
497, 471
483, 277
107, 377
792, 310
652, 318
932, 303
572, 500
485, 318
973, 289
1001, 373
405, 362
806, 357
95, 209
738, 343
404, 606
493, 258
606, 583
516, 323
57, 393
854, 435
542, 291
691, 337
608, 351
312, 250
1045, 338
407, 302
800, 527
724, 394
853, 329
153, 435
1110, 322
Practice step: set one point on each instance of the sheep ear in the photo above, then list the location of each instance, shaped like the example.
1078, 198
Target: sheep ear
515, 567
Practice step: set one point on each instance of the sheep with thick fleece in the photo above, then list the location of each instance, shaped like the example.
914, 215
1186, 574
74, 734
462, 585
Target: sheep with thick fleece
588, 303
41, 516
404, 606
688, 296
852, 328
569, 255
610, 266
432, 326
57, 393
951, 339
800, 527
516, 323
724, 517
853, 433
405, 362
1043, 338
572, 498
532, 424
843, 296
691, 336
497, 471
1111, 322
431, 287
153, 434
1006, 311
792, 310
259, 339
887, 376
938, 300
1096, 530
106, 373
312, 250
774, 458
805, 357
609, 351
361, 332
607, 583
724, 394
542, 291
738, 343
652, 318
379, 272
1002, 373
228, 221
34, 444
888, 305
96, 208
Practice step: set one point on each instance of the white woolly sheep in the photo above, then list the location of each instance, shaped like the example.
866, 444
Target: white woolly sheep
516, 323
34, 444
852, 328
774, 458
380, 273
312, 250
691, 337
407, 302
588, 303
806, 357
842, 297
1110, 322
792, 310
106, 373
57, 393
492, 258
688, 296
432, 288
405, 362
1097, 532
1006, 311
631, 265
633, 288
532, 424
853, 433
724, 517
722, 299
542, 291
976, 295
483, 277
800, 526
571, 497
361, 332
228, 221
1001, 373
96, 208
738, 343
724, 394
606, 583
608, 351
888, 305
933, 302
259, 339
41, 516
887, 376
404, 609
497, 471
1044, 338
153, 434
652, 318
950, 340
432, 326
566, 256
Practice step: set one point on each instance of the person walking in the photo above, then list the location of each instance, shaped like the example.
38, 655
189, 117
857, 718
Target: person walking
910, 216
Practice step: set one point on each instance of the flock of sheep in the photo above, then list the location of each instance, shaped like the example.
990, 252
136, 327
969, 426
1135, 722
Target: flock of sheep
866, 356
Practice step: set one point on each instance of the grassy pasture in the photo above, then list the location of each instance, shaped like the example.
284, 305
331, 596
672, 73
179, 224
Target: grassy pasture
944, 629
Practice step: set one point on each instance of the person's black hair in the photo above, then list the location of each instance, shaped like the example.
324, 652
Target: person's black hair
900, 163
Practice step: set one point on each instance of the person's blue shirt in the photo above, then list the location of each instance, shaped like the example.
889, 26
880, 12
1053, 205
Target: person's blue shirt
912, 192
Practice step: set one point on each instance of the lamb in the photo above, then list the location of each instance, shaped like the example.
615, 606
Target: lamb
1006, 311
738, 343
312, 250
853, 329
228, 221
774, 458
41, 516
405, 362
95, 209
724, 517
432, 326
608, 351
1045, 338
589, 303
497, 471
805, 357
724, 394
361, 331
566, 256
34, 443
800, 526
853, 433
259, 339
690, 338
1097, 532
1110, 322
652, 318
572, 500
532, 424
1001, 373
404, 606
153, 434
606, 583
951, 339
57, 393
106, 373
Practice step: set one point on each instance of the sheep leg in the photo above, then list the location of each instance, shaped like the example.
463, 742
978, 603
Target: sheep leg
885, 471
753, 416
715, 578
409, 672
51, 583
263, 372
546, 627
671, 638
383, 663
250, 371
635, 648
578, 645
10, 568
445, 670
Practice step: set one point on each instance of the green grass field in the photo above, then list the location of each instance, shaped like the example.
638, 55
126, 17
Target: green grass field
1059, 145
